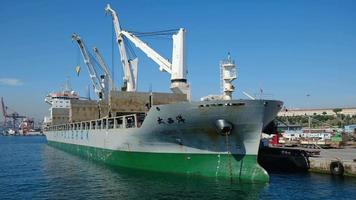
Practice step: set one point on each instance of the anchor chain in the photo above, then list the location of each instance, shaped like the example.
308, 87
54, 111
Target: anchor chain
229, 154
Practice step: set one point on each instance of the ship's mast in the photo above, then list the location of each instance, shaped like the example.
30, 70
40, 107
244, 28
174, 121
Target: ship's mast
227, 75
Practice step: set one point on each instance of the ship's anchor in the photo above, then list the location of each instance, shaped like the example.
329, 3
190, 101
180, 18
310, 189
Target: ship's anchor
223, 126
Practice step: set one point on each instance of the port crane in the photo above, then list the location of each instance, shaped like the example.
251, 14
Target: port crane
176, 68
14, 116
129, 65
100, 83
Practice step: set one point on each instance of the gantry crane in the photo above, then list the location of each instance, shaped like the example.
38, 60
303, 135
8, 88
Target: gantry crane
14, 116
177, 68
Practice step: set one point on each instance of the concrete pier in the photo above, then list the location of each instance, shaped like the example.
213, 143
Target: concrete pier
334, 161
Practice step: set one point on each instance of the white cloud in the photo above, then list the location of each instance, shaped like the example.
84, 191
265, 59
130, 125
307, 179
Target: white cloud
10, 81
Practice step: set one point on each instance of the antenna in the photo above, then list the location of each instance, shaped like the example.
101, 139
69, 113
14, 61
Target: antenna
88, 92
67, 86
150, 88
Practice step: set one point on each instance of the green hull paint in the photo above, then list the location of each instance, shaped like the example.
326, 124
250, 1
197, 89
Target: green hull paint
236, 167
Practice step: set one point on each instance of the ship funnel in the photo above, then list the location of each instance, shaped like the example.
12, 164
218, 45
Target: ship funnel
223, 126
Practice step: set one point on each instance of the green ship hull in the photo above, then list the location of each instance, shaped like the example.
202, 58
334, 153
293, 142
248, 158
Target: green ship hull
239, 168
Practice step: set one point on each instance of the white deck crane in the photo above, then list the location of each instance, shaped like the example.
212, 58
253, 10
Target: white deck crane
99, 83
104, 67
129, 66
177, 68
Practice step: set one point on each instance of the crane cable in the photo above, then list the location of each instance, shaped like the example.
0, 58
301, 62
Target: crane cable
163, 32
130, 48
112, 54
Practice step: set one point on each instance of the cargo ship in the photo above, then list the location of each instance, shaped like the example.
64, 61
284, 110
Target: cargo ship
164, 132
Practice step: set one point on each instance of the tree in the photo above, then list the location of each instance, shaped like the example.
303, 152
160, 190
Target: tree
337, 110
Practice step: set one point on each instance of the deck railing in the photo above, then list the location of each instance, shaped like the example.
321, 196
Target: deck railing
125, 121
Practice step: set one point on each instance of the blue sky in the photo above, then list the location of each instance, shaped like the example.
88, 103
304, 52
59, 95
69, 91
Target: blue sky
287, 48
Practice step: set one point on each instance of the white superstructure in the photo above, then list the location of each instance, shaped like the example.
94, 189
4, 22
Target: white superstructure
61, 99
60, 105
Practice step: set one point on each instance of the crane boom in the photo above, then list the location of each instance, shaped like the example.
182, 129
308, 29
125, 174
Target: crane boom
177, 68
104, 67
98, 88
164, 64
129, 66
3, 107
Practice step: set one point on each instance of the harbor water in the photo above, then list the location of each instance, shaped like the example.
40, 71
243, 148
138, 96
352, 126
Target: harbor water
30, 169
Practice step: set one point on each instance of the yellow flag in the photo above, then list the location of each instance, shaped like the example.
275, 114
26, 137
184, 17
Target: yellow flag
77, 69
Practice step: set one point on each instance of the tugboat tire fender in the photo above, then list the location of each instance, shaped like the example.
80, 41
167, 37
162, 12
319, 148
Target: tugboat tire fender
336, 168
